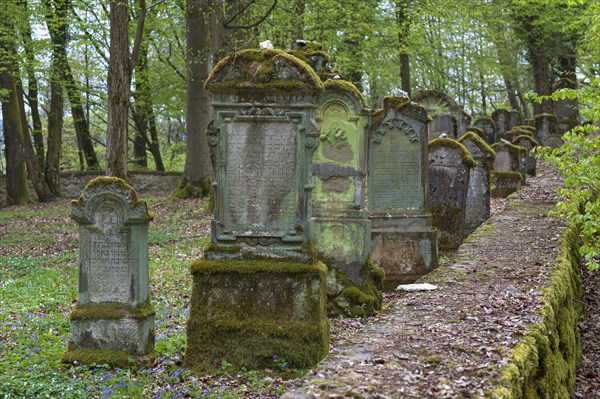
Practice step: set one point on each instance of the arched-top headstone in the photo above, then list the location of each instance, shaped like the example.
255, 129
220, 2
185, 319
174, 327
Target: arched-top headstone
437, 102
529, 143
449, 168
399, 192
263, 138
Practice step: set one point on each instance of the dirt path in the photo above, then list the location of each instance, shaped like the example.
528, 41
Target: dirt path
452, 342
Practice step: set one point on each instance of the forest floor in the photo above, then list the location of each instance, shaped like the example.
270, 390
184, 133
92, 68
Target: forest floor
449, 343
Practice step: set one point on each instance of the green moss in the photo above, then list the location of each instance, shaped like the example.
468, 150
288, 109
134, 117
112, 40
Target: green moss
256, 70
477, 130
110, 181
543, 364
532, 129
506, 175
112, 310
528, 138
75, 355
344, 85
470, 135
213, 247
466, 157
549, 116
434, 359
399, 103
255, 265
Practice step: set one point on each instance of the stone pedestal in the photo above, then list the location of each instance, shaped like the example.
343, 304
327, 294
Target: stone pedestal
113, 319
505, 183
248, 312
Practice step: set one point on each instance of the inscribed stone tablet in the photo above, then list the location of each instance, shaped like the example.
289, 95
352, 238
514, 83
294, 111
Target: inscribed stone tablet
260, 187
396, 172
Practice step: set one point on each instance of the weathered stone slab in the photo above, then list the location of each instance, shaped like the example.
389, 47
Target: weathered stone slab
477, 208
262, 142
245, 312
501, 118
516, 118
546, 125
529, 143
399, 189
505, 183
442, 124
489, 128
464, 122
113, 312
566, 110
449, 169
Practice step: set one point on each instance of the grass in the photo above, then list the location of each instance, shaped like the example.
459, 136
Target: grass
38, 288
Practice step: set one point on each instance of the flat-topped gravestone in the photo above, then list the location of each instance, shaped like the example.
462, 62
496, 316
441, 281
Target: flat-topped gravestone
464, 122
489, 128
501, 118
477, 209
529, 143
403, 241
546, 126
566, 109
449, 168
113, 318
442, 124
516, 118
509, 169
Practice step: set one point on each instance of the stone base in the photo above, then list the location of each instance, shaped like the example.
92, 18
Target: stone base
246, 312
109, 340
505, 183
450, 223
404, 255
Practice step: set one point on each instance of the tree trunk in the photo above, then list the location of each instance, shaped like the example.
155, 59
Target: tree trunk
154, 144
197, 174
55, 125
539, 65
17, 192
403, 30
119, 80
140, 107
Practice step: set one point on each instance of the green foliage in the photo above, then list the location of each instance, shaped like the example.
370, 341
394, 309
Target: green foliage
578, 160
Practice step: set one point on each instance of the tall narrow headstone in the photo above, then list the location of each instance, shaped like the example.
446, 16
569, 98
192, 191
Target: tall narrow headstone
501, 118
516, 118
509, 170
449, 169
566, 110
403, 241
529, 143
464, 122
546, 130
113, 319
478, 197
259, 292
489, 128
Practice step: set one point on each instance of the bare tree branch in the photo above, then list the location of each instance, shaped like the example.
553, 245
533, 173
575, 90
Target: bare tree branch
269, 11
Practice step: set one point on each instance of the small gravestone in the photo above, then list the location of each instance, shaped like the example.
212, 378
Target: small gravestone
442, 124
508, 170
489, 128
546, 126
259, 292
529, 143
113, 319
478, 197
566, 109
403, 241
501, 118
449, 169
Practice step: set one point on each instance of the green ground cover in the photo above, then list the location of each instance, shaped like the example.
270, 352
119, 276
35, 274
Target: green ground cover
38, 288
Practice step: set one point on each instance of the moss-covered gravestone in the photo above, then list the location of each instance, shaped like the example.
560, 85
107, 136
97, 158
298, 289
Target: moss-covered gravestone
529, 143
403, 241
566, 109
478, 197
341, 229
547, 130
258, 293
501, 118
450, 165
509, 169
113, 319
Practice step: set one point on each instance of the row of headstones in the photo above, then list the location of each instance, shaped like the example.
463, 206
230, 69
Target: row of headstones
503, 125
465, 173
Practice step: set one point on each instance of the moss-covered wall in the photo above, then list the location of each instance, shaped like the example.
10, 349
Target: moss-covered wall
543, 364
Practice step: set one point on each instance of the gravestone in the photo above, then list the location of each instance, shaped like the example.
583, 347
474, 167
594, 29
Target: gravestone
442, 124
501, 118
449, 170
489, 128
566, 110
113, 319
546, 125
341, 227
509, 135
403, 241
516, 118
508, 169
477, 208
260, 262
464, 122
529, 143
